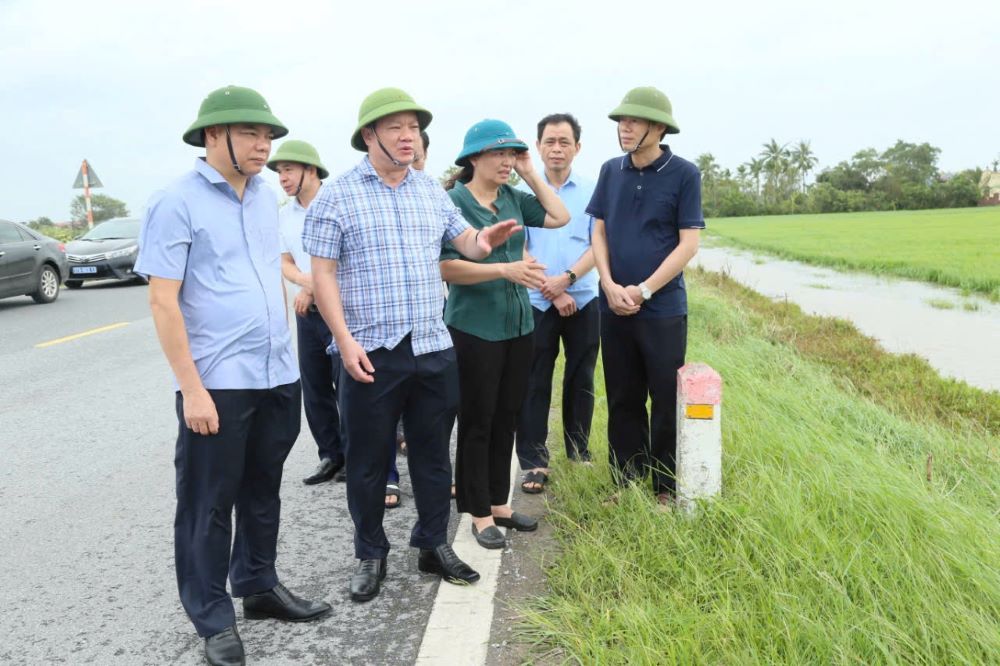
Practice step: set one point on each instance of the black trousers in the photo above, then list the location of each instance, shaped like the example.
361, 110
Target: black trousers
238, 467
641, 359
423, 390
493, 378
580, 334
320, 373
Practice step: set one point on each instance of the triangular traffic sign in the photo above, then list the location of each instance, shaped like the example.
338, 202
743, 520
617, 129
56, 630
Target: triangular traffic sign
91, 176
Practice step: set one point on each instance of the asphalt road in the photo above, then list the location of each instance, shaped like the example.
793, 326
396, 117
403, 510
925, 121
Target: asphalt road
86, 508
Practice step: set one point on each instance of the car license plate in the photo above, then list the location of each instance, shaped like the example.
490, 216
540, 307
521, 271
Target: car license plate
80, 270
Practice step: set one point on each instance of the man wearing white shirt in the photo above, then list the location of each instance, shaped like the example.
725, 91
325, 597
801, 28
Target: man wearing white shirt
301, 173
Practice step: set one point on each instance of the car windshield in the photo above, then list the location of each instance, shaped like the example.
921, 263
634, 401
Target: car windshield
113, 229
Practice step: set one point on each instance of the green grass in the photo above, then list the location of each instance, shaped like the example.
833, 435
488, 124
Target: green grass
828, 545
941, 303
954, 247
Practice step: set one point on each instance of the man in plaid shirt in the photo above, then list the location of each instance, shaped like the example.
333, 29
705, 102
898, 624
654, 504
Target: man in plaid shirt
375, 235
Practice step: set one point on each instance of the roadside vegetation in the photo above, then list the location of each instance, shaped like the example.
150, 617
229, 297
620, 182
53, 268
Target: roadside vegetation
858, 522
956, 248
904, 176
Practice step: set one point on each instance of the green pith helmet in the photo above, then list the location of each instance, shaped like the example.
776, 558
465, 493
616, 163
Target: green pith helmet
647, 103
385, 102
230, 105
299, 152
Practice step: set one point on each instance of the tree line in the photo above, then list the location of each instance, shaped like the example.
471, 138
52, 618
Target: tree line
904, 176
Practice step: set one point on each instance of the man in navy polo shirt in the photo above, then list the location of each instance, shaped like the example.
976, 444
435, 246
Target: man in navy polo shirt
647, 220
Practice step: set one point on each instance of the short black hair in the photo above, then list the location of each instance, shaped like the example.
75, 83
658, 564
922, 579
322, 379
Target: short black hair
555, 119
425, 139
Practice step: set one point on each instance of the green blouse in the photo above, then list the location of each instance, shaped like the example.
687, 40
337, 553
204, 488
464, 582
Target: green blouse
498, 309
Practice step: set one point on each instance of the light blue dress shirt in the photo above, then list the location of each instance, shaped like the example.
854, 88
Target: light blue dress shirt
558, 249
227, 254
291, 222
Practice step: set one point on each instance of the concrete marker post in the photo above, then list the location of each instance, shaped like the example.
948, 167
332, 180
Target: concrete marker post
699, 434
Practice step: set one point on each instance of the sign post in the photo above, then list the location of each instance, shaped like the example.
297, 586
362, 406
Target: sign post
87, 178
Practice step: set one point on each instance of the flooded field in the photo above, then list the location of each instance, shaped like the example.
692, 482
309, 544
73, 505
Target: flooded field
959, 335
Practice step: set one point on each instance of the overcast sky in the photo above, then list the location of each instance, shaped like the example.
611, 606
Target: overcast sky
118, 82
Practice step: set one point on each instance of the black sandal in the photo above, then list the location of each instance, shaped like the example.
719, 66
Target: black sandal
534, 477
392, 490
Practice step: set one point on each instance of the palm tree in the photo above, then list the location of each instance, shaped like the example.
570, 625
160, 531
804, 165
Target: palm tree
708, 166
755, 167
775, 161
804, 160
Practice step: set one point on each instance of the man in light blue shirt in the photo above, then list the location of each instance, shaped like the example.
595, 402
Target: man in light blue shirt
209, 247
565, 308
301, 173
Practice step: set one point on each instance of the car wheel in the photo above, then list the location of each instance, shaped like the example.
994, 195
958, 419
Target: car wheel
74, 284
48, 285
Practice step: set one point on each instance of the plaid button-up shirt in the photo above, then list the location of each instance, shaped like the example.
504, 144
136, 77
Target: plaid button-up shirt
387, 243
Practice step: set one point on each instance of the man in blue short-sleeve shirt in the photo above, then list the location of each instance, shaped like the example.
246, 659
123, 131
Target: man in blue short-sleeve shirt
647, 219
209, 247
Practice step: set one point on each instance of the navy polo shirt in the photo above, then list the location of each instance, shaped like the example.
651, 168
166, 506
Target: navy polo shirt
643, 212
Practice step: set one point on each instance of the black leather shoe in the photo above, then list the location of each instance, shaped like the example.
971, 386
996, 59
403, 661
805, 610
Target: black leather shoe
445, 563
324, 472
225, 648
491, 537
281, 604
367, 580
517, 521
341, 475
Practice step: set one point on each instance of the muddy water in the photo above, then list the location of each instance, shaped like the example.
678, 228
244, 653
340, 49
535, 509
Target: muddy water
962, 342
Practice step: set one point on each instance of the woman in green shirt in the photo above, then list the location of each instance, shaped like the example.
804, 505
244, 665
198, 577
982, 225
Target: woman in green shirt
489, 316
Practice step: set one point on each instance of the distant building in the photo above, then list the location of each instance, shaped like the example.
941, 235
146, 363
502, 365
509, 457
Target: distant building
990, 185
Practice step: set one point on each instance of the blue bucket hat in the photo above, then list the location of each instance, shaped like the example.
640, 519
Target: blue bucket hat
488, 135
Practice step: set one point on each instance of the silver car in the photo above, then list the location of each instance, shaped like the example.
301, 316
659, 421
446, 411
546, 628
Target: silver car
105, 252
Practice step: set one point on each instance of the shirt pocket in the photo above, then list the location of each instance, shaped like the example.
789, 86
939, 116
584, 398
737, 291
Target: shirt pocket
665, 205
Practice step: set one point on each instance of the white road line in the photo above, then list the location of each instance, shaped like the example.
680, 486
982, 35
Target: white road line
458, 630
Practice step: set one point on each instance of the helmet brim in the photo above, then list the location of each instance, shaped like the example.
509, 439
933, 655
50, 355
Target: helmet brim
195, 137
298, 158
486, 146
424, 118
645, 113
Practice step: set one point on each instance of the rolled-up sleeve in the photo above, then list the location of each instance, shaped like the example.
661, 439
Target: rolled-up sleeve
165, 238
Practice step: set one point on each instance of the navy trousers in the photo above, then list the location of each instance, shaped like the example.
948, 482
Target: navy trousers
320, 373
641, 359
580, 334
238, 467
423, 390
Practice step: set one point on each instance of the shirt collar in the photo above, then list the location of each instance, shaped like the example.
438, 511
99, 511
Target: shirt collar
570, 180
656, 165
367, 170
503, 194
212, 175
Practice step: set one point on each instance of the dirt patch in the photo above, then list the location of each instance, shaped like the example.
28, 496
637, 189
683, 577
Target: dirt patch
521, 578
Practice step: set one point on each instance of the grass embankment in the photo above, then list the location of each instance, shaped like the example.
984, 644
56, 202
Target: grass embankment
828, 545
954, 247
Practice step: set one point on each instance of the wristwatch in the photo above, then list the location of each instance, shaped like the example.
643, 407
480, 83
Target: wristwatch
572, 276
644, 290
